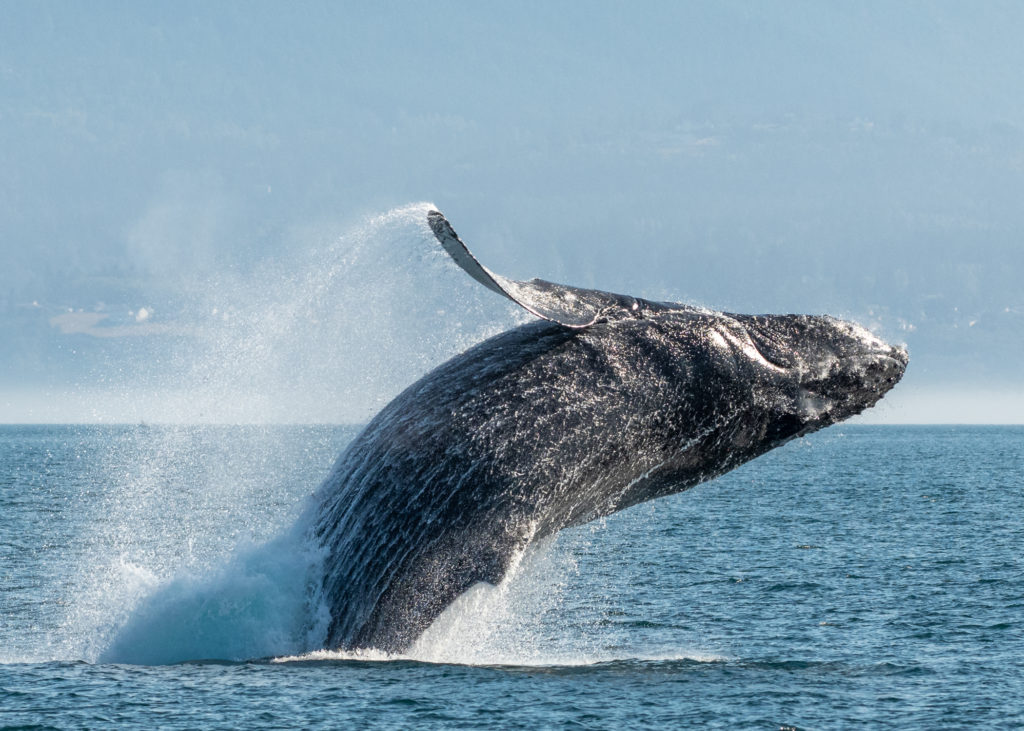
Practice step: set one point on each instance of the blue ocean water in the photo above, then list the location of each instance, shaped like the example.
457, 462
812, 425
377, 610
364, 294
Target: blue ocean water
861, 577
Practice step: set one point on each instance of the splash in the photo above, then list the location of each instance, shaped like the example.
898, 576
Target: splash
232, 581
194, 534
332, 334
521, 622
256, 605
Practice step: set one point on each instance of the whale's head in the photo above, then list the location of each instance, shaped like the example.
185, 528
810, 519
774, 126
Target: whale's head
792, 373
822, 369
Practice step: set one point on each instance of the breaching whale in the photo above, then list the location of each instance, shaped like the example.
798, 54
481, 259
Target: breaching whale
604, 402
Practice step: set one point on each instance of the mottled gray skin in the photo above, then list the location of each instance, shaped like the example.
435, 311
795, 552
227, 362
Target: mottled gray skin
545, 427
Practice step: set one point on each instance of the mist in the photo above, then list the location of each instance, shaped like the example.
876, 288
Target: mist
209, 213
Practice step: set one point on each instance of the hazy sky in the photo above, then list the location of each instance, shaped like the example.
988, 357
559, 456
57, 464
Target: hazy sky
193, 195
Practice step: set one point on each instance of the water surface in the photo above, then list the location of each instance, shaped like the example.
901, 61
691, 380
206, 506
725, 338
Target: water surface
860, 577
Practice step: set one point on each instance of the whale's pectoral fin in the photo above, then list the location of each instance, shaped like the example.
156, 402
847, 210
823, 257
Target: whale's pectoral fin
569, 306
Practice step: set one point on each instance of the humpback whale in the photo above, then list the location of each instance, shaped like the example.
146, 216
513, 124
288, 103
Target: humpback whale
603, 402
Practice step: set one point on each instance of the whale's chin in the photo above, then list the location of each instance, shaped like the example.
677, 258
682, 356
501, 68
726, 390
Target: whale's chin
859, 382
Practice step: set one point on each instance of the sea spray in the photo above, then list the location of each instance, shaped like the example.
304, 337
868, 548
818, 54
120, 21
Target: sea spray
183, 507
333, 333
177, 512
261, 602
533, 618
517, 622
505, 624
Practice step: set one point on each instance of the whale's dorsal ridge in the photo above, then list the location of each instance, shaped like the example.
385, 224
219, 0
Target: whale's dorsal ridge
569, 306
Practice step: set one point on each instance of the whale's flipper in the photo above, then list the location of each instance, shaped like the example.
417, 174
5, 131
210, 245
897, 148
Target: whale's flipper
569, 306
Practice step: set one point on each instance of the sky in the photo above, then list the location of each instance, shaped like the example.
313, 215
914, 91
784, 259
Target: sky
208, 211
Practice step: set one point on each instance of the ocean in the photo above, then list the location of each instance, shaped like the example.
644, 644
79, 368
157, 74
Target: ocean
861, 577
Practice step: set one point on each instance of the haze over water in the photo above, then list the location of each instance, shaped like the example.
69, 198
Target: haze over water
163, 163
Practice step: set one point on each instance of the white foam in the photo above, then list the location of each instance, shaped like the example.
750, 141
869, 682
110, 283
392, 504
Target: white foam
262, 602
568, 661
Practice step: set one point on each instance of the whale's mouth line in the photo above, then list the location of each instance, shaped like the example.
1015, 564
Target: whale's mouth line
761, 344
